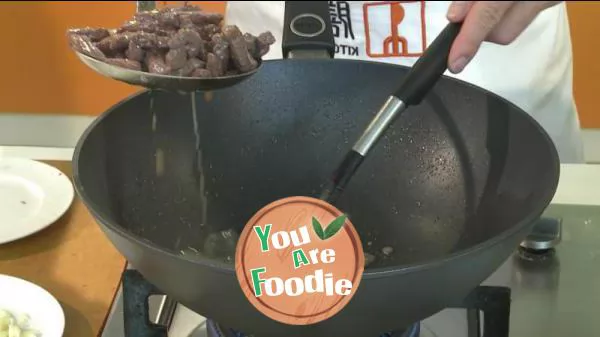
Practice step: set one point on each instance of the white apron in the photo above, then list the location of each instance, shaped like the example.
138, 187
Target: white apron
534, 72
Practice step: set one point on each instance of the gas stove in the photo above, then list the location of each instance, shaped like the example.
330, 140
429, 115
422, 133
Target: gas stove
546, 288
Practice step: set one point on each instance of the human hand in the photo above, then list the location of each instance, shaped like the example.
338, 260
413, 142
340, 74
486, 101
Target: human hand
499, 22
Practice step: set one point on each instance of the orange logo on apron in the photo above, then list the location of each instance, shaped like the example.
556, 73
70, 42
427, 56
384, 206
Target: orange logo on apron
403, 16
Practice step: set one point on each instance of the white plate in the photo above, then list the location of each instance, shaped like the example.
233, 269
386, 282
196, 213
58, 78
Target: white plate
33, 195
19, 297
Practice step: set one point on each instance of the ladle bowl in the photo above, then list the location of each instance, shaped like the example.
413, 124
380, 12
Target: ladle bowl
163, 82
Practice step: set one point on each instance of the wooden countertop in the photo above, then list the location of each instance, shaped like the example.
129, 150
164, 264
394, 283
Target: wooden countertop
74, 261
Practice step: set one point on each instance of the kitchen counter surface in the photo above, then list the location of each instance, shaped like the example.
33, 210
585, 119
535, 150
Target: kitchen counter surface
577, 185
74, 261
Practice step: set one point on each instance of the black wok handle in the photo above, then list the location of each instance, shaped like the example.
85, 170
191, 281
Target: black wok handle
421, 78
307, 27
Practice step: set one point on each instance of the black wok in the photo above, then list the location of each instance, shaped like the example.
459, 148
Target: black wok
454, 185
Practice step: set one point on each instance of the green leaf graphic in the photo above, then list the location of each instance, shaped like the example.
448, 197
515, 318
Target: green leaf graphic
318, 229
335, 226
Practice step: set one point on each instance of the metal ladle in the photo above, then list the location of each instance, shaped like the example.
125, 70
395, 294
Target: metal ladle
164, 82
158, 81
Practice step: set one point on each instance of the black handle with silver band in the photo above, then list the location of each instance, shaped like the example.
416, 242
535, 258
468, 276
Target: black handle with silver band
421, 78
308, 33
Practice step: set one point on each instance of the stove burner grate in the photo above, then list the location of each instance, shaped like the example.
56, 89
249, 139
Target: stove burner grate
216, 330
494, 302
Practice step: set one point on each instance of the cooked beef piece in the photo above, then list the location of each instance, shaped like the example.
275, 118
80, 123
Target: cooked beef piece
264, 42
240, 55
115, 43
176, 41
125, 63
94, 34
199, 51
191, 37
162, 42
202, 73
185, 8
214, 65
84, 45
135, 52
137, 26
168, 20
182, 41
208, 31
251, 44
222, 52
201, 18
190, 66
176, 58
146, 41
156, 64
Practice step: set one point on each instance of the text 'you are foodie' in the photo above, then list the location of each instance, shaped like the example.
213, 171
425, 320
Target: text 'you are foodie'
299, 260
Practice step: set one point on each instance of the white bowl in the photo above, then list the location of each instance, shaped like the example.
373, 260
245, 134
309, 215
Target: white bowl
19, 296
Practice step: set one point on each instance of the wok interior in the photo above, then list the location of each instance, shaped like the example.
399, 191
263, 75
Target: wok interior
282, 132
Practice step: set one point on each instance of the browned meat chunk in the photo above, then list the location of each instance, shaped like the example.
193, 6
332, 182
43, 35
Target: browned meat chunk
214, 65
181, 41
199, 51
156, 64
201, 18
191, 37
190, 66
115, 44
265, 41
221, 51
119, 42
162, 42
251, 44
94, 34
84, 45
135, 52
137, 26
168, 20
240, 55
201, 73
146, 41
208, 31
125, 63
176, 58
176, 41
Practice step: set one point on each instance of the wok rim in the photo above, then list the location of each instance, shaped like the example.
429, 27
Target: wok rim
367, 274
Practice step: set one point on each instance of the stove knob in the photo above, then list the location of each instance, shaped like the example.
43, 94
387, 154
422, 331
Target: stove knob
546, 234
